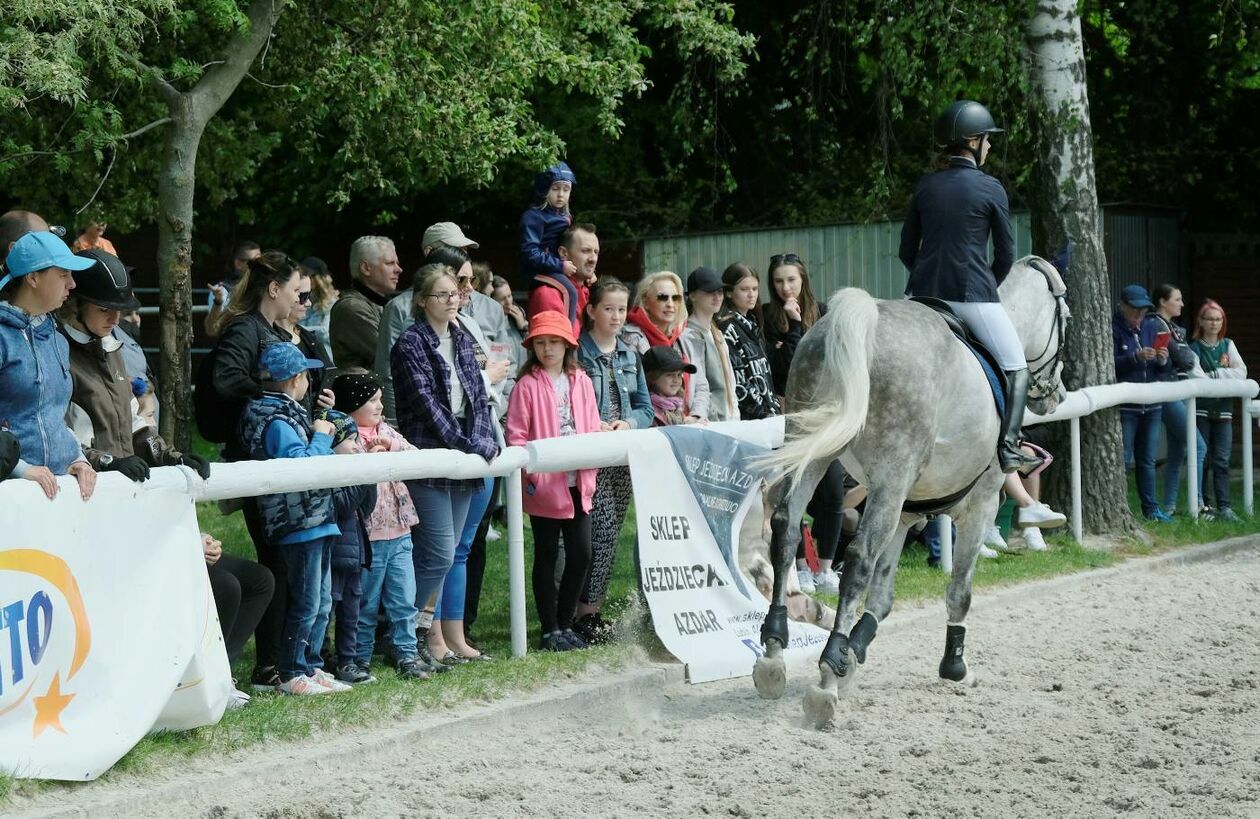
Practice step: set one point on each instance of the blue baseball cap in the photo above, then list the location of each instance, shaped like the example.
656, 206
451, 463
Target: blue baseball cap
281, 361
40, 250
1135, 295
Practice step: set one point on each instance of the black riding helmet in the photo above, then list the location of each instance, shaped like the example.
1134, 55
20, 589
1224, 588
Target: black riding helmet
961, 121
107, 283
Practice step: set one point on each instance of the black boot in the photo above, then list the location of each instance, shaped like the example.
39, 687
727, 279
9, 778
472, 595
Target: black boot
1010, 457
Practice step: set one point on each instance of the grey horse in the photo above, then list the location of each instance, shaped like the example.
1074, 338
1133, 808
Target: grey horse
886, 387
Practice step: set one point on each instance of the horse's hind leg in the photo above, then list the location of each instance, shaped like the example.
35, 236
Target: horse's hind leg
770, 670
974, 517
879, 597
837, 664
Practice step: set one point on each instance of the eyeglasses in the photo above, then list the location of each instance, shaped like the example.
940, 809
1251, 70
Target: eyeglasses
665, 298
447, 296
304, 297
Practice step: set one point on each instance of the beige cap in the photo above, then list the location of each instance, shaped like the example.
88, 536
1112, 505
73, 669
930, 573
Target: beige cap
446, 233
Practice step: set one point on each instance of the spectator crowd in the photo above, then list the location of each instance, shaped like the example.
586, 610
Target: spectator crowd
303, 369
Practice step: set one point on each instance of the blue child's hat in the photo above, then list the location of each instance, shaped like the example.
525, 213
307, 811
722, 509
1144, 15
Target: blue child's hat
281, 361
40, 250
559, 172
343, 425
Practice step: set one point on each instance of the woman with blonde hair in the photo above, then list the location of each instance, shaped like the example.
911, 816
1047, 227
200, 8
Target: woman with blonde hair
658, 319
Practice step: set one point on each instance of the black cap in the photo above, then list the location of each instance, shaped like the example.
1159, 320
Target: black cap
315, 266
107, 283
353, 390
663, 359
704, 280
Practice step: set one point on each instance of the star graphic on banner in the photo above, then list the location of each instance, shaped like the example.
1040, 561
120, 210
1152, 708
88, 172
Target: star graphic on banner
48, 708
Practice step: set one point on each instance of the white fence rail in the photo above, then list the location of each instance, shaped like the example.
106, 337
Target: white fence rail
249, 478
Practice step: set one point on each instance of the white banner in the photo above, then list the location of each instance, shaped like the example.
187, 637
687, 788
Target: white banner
107, 626
692, 489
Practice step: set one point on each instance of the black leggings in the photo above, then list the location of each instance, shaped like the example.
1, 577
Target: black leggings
555, 611
242, 589
267, 634
826, 507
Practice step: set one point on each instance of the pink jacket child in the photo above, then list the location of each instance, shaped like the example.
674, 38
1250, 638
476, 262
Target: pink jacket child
533, 413
395, 513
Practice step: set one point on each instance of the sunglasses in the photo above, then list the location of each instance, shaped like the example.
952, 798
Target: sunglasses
665, 298
784, 258
463, 280
304, 297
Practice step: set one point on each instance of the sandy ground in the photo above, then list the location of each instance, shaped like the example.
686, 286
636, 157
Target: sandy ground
1129, 691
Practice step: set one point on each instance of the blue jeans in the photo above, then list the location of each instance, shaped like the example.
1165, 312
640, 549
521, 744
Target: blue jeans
442, 514
1220, 437
1141, 438
310, 601
1175, 436
390, 581
450, 603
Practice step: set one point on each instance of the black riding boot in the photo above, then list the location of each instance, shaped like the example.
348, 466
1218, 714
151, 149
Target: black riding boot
1010, 457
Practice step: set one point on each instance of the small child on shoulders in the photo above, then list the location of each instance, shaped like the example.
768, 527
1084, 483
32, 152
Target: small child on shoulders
390, 582
541, 228
554, 398
664, 369
302, 524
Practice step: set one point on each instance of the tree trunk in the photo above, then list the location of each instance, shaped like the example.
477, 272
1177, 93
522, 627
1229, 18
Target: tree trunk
1065, 203
175, 222
190, 112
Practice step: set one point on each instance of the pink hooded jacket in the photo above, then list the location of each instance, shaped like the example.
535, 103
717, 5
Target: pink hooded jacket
532, 414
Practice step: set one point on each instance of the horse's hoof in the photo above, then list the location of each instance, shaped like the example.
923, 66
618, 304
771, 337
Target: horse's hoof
970, 679
820, 707
770, 677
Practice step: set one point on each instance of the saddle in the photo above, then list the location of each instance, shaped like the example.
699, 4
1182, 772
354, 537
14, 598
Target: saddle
992, 371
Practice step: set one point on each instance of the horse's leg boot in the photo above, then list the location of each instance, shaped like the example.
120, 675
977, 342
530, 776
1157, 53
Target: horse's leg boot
862, 634
953, 666
775, 626
1010, 457
836, 654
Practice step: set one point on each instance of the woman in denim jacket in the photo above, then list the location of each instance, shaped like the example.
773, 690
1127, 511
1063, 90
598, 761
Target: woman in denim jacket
621, 394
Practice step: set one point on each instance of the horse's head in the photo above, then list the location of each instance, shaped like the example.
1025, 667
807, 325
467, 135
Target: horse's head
1034, 296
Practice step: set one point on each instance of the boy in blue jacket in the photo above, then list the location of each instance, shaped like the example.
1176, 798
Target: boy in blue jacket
541, 228
302, 524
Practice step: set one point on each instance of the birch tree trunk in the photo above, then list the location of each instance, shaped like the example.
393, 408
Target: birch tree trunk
190, 112
1065, 203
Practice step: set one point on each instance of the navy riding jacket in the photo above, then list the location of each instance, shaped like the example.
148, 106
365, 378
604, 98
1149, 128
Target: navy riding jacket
945, 238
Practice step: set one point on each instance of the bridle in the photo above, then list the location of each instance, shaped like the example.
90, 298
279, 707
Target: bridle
1042, 381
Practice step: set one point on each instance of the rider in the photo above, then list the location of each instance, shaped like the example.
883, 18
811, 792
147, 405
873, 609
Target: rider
944, 243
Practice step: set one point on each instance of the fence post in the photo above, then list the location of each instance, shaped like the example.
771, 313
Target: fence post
1078, 525
1192, 458
1248, 498
516, 562
946, 534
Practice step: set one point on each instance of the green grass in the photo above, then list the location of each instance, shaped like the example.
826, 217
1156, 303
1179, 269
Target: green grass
272, 718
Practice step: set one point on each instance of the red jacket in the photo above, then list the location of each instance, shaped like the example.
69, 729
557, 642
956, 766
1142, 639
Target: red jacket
533, 413
549, 295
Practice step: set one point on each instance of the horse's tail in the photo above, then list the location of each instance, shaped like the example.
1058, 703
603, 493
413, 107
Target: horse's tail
842, 393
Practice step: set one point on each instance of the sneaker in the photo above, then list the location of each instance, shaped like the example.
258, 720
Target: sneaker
237, 699
574, 641
1159, 516
1033, 540
554, 641
992, 537
412, 668
322, 677
827, 582
354, 674
806, 580
302, 686
1227, 514
985, 551
1207, 513
492, 534
1040, 516
265, 678
593, 629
